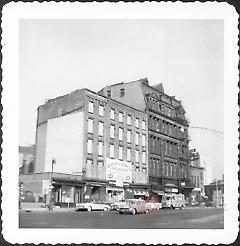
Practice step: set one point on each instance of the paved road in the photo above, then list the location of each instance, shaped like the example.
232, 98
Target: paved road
200, 218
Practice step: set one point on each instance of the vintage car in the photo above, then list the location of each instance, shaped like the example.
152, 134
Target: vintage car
116, 205
133, 206
90, 206
153, 205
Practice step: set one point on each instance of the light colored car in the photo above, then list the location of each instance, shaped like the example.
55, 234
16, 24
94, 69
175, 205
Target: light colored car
90, 206
116, 205
133, 206
153, 205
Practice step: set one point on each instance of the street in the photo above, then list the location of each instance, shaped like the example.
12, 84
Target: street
193, 218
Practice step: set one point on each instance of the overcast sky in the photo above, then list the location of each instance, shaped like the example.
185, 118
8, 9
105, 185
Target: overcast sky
60, 56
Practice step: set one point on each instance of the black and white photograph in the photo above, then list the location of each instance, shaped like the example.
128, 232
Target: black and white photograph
120, 123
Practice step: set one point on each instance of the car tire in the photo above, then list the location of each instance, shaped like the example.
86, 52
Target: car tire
120, 212
147, 211
134, 211
89, 209
172, 207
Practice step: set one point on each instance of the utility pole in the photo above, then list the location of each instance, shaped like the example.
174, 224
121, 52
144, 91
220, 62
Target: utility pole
51, 186
216, 193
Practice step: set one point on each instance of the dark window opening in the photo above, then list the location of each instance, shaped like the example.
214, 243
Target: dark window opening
122, 92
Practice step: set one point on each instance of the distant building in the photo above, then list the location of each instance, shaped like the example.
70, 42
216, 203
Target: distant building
197, 177
167, 134
215, 192
26, 159
89, 147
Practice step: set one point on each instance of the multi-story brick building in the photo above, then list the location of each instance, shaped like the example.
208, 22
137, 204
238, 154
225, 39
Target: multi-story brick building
167, 133
90, 147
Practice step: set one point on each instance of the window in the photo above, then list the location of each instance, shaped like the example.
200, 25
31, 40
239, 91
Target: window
112, 114
144, 140
137, 139
100, 108
144, 157
144, 169
129, 120
90, 126
137, 122
128, 136
89, 168
128, 154
120, 117
59, 113
144, 125
100, 148
111, 131
100, 128
120, 131
90, 107
122, 92
89, 146
120, 152
111, 151
108, 93
136, 156
100, 170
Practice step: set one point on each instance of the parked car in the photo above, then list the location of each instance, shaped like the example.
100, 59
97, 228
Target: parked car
116, 205
153, 205
133, 206
90, 206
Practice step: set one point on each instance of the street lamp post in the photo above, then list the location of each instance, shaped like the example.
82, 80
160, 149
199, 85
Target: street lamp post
216, 193
51, 186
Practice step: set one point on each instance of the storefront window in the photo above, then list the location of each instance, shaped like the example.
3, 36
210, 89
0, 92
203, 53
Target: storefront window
67, 194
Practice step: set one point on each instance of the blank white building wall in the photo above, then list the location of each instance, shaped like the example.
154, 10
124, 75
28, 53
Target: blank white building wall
64, 143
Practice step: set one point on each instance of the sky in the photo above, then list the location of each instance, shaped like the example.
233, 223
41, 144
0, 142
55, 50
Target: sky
57, 56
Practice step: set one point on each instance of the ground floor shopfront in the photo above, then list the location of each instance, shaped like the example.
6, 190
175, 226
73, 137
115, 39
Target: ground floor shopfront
65, 190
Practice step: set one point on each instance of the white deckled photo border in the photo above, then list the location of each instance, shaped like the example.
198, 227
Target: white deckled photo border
11, 15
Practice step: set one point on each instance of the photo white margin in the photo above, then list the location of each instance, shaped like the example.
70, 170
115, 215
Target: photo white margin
11, 14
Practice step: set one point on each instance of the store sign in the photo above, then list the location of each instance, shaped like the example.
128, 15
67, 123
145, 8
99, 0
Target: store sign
119, 171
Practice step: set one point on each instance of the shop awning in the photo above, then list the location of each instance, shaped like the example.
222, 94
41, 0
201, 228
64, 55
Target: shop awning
140, 193
159, 192
170, 185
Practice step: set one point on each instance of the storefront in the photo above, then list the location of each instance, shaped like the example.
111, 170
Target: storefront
65, 194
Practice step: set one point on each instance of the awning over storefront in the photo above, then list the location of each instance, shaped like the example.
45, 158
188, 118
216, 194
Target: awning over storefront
170, 185
197, 189
159, 192
140, 193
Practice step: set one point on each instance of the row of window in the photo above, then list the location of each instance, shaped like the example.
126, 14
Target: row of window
159, 146
161, 107
166, 128
138, 154
120, 116
169, 169
138, 137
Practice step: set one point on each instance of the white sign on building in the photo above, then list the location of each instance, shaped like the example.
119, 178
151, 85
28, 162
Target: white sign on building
119, 171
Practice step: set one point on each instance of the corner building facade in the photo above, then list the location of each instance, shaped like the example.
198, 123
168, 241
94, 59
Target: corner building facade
100, 148
167, 134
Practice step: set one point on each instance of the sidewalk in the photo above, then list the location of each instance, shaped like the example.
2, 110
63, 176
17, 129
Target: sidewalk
28, 207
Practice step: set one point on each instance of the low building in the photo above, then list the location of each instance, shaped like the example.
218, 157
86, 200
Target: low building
89, 147
197, 178
26, 159
215, 192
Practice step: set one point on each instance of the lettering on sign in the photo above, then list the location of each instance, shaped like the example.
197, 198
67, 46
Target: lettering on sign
119, 171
